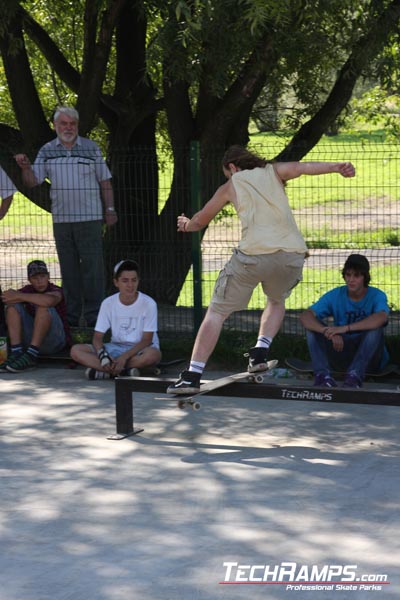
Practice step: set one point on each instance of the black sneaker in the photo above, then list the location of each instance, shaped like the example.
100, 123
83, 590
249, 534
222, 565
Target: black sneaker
22, 362
257, 359
8, 361
188, 383
132, 372
324, 380
92, 374
352, 380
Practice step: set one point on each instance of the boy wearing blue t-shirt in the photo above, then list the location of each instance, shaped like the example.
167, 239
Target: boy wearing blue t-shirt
355, 341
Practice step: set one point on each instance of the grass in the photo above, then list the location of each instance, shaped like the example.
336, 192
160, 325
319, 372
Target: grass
24, 214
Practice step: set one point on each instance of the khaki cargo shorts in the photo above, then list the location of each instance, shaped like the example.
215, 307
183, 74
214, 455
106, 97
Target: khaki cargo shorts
278, 274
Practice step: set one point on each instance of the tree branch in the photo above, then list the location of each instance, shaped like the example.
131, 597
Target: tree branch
95, 59
51, 52
365, 49
25, 99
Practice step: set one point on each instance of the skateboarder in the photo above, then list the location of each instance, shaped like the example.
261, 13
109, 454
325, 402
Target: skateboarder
271, 252
132, 318
354, 343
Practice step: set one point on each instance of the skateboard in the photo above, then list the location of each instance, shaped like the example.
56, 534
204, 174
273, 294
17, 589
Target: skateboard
210, 386
304, 366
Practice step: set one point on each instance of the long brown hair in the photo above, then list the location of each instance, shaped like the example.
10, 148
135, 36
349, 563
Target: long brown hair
242, 158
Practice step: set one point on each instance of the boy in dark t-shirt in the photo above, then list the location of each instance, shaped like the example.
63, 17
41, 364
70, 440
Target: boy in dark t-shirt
36, 320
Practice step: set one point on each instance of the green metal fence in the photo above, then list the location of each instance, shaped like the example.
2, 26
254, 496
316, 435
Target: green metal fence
337, 216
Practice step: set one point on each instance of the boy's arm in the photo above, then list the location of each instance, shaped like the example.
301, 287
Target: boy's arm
147, 339
46, 299
291, 170
310, 321
97, 340
223, 195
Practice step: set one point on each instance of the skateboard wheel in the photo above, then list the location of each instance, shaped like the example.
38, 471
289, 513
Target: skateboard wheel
181, 404
157, 371
196, 406
258, 378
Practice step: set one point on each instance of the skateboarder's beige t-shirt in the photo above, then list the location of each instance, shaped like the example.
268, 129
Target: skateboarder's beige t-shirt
263, 208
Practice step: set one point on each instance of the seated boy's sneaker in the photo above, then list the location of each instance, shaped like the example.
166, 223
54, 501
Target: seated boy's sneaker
324, 380
3, 366
352, 380
92, 374
22, 362
133, 372
257, 359
188, 383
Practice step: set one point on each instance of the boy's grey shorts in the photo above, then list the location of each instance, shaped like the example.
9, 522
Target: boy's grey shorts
278, 274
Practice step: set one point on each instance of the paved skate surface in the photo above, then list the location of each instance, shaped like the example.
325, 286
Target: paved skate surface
156, 516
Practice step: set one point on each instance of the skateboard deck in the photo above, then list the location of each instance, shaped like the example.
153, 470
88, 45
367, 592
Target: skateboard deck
304, 366
191, 400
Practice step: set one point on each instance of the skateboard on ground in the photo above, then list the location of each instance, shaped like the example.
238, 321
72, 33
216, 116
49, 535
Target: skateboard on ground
191, 400
305, 367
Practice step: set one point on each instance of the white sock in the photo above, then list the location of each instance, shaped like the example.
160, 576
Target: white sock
197, 367
263, 342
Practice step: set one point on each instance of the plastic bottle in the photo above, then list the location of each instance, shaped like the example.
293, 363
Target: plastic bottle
282, 373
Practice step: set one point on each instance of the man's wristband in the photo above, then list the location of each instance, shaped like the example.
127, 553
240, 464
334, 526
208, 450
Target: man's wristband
110, 209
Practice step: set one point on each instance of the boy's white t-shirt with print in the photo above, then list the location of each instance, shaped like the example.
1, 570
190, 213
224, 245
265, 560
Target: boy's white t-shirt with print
128, 322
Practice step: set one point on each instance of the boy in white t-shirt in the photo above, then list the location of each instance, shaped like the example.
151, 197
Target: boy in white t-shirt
132, 318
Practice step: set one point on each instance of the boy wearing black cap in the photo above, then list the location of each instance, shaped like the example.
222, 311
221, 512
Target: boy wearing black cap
36, 320
355, 342
132, 318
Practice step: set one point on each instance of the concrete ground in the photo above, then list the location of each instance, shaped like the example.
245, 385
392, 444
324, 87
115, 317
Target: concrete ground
201, 504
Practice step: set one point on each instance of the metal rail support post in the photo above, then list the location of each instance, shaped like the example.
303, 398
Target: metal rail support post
123, 410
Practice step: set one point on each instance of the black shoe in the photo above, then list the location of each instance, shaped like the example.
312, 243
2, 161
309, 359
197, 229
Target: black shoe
22, 362
10, 359
132, 372
324, 380
188, 383
92, 374
352, 380
257, 359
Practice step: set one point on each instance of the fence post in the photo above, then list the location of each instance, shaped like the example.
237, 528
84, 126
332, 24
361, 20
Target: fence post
195, 197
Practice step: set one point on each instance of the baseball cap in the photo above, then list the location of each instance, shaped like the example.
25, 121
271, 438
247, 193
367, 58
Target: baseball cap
37, 266
358, 262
